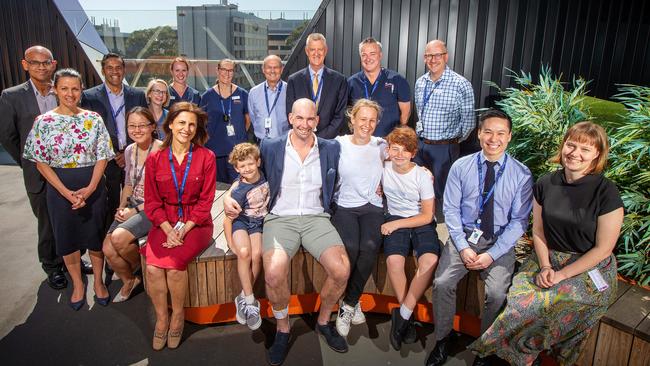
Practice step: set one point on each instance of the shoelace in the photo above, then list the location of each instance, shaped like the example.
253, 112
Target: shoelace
241, 302
347, 315
251, 310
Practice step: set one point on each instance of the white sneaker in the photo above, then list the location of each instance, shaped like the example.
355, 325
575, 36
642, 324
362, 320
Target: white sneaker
240, 305
346, 312
359, 317
253, 318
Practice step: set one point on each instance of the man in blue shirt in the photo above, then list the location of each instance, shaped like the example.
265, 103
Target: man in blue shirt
267, 101
488, 199
384, 86
444, 101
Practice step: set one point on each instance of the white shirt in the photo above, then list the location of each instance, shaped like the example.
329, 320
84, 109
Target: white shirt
302, 183
405, 192
360, 170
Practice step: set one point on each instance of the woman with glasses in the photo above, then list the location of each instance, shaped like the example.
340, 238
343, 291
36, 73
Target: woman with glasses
179, 91
71, 148
157, 94
131, 223
228, 120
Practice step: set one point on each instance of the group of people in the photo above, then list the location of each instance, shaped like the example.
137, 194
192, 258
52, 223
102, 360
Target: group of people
106, 166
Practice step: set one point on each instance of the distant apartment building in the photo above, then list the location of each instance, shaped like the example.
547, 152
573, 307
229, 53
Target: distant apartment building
109, 32
214, 32
279, 31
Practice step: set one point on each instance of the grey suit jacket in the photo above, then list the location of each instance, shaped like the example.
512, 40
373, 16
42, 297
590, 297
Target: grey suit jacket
18, 109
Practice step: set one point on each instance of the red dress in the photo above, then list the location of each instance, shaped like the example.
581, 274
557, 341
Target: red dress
161, 204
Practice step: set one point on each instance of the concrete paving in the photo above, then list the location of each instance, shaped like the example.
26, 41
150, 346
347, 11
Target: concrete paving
37, 327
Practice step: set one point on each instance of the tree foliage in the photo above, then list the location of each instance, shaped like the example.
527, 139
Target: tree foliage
158, 41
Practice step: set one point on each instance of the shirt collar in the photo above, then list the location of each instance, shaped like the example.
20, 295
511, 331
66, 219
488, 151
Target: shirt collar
38, 94
320, 72
442, 77
276, 85
291, 146
121, 93
500, 161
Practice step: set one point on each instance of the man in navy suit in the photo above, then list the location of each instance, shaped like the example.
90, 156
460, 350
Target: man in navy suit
112, 100
19, 106
325, 87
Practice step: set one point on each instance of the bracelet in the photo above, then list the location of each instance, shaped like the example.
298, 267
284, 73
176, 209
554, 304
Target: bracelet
545, 267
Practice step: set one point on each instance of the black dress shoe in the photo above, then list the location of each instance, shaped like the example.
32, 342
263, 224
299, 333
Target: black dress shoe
411, 335
332, 337
278, 351
398, 329
482, 361
57, 280
86, 267
438, 356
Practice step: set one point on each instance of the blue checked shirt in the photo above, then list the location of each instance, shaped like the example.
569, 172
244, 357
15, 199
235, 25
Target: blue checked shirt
258, 112
449, 112
513, 200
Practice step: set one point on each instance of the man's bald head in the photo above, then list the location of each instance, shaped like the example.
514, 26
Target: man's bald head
38, 50
304, 104
438, 44
40, 65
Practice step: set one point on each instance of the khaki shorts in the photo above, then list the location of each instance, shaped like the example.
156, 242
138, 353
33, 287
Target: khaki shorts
314, 232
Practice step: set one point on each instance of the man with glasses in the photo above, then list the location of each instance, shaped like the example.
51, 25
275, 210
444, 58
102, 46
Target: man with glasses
267, 101
112, 100
386, 87
325, 87
19, 106
444, 101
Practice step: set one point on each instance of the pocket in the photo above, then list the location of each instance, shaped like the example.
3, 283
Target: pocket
165, 184
194, 186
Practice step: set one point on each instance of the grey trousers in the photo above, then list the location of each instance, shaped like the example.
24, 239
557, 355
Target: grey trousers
497, 277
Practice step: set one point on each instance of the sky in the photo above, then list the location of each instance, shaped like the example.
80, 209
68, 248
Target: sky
133, 15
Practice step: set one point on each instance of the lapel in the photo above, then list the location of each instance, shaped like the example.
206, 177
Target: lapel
323, 156
31, 105
279, 158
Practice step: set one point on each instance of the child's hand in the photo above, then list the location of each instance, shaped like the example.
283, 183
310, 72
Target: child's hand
389, 227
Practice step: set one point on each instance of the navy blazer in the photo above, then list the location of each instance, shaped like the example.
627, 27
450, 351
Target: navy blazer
333, 99
273, 151
18, 109
96, 99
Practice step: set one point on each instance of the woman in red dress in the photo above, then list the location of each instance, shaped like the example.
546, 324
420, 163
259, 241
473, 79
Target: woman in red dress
180, 181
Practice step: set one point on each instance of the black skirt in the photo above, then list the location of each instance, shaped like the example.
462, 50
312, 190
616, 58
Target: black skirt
82, 228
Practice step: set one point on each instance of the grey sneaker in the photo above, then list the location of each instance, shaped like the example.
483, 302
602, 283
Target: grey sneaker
253, 318
359, 317
343, 320
240, 305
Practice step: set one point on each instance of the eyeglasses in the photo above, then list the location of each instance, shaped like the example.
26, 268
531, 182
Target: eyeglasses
229, 71
137, 127
45, 63
435, 56
158, 92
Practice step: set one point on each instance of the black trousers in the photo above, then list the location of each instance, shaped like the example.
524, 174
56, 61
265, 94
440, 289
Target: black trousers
114, 181
50, 262
359, 229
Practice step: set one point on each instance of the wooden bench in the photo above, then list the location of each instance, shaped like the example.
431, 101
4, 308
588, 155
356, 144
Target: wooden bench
621, 338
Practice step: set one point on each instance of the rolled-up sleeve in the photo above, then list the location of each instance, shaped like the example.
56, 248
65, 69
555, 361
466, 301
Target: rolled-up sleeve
201, 212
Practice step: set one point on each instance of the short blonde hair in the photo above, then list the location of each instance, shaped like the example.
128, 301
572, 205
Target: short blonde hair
587, 133
316, 37
226, 61
362, 103
179, 59
243, 151
153, 82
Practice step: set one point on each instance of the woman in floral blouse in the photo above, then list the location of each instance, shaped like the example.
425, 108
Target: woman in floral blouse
71, 147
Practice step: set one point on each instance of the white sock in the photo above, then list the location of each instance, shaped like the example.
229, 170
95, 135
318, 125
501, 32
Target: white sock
242, 294
405, 312
281, 314
250, 299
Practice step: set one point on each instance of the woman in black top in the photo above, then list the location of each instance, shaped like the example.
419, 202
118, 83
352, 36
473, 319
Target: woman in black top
559, 295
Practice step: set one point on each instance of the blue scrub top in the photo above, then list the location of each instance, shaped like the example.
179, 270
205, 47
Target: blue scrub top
190, 95
392, 88
159, 124
219, 142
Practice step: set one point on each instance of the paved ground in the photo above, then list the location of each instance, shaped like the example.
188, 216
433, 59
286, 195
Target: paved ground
37, 327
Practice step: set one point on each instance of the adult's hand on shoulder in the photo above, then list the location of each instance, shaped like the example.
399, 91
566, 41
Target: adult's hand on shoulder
231, 207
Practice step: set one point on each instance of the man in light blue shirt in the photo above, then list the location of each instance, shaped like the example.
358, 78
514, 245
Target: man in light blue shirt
267, 101
487, 203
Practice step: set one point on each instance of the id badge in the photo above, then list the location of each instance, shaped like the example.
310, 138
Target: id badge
475, 236
230, 130
419, 127
179, 226
598, 280
267, 122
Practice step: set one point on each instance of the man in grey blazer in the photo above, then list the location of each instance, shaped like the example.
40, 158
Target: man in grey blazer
19, 106
113, 100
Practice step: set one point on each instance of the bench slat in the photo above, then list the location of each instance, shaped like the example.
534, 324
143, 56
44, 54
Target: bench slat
629, 310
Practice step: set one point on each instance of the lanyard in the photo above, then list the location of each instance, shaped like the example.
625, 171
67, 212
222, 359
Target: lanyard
138, 173
425, 96
277, 95
366, 82
486, 197
316, 98
223, 107
181, 190
113, 111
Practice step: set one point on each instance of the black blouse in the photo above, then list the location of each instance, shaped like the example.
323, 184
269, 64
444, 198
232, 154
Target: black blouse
570, 211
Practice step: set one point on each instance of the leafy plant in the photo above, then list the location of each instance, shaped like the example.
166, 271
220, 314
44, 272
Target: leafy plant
541, 113
630, 169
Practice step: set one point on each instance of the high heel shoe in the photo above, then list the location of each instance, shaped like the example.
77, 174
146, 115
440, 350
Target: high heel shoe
159, 340
77, 304
174, 338
103, 301
120, 298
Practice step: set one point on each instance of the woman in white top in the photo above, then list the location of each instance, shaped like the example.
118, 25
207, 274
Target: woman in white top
359, 212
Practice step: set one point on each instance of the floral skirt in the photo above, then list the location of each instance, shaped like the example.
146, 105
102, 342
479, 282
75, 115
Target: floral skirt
557, 319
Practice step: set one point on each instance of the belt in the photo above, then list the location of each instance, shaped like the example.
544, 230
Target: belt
440, 142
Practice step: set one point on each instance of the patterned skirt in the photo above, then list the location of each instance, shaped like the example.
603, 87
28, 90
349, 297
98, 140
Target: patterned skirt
557, 319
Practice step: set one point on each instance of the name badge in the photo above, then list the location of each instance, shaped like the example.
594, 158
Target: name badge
179, 226
419, 127
475, 236
267, 122
598, 280
230, 129
235, 97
